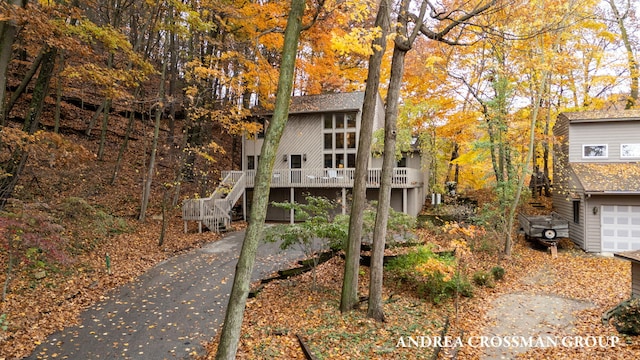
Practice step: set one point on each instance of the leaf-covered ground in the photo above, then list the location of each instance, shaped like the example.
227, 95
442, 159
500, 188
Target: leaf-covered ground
91, 214
37, 308
288, 309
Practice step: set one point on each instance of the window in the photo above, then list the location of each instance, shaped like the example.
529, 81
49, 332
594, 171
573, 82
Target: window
594, 151
328, 122
402, 162
351, 121
351, 160
630, 151
328, 141
328, 160
340, 140
351, 140
576, 211
339, 121
264, 123
251, 162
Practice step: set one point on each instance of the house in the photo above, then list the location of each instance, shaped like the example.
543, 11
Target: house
597, 178
316, 155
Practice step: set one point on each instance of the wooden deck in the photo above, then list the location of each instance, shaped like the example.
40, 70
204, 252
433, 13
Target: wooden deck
335, 178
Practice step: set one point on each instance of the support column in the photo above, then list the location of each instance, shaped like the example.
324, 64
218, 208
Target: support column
404, 200
344, 201
292, 214
244, 203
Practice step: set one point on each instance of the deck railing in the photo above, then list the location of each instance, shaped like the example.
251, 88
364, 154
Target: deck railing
335, 178
214, 211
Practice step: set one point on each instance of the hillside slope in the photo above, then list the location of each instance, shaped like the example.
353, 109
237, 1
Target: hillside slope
73, 234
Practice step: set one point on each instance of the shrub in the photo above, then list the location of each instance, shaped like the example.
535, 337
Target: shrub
497, 272
435, 275
626, 317
437, 289
4, 324
483, 278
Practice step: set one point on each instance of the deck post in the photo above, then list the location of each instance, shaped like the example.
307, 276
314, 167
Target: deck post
292, 212
404, 201
244, 204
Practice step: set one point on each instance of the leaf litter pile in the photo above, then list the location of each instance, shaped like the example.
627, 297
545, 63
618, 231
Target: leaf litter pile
288, 312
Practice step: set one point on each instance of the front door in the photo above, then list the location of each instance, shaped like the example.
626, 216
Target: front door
295, 164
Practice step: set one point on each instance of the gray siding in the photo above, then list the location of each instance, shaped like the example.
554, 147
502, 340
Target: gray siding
613, 134
379, 118
302, 135
564, 207
635, 279
593, 238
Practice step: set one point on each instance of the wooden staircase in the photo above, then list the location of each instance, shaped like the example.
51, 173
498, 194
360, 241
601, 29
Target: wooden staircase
214, 212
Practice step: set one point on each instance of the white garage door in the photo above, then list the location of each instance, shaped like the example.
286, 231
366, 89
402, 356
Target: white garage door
620, 228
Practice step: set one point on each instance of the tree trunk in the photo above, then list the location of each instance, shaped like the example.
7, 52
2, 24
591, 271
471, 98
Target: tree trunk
508, 244
634, 69
23, 84
92, 122
103, 128
40, 91
125, 142
105, 115
403, 43
56, 126
349, 297
146, 193
375, 309
230, 336
7, 37
32, 119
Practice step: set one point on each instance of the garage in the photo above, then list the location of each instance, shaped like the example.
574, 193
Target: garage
620, 226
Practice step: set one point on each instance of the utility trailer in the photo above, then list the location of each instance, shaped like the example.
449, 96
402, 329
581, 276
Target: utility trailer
547, 229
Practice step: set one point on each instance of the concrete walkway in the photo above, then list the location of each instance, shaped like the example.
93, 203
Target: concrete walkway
169, 312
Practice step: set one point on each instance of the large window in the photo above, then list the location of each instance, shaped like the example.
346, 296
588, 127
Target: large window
340, 139
595, 151
630, 151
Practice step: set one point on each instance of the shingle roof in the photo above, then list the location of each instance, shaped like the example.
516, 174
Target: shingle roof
330, 102
327, 102
602, 115
608, 177
629, 255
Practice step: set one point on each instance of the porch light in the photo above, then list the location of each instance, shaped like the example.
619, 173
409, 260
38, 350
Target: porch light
595, 210
284, 157
304, 157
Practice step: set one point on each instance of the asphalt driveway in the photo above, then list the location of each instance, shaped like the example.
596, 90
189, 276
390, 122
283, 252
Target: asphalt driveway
169, 311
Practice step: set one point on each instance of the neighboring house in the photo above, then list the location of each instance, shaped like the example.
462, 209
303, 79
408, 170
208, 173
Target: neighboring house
317, 156
597, 178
